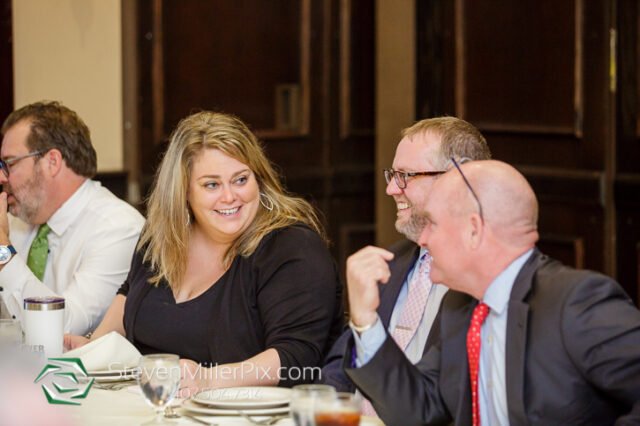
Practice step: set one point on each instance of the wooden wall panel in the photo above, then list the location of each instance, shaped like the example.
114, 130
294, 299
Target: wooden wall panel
115, 182
627, 173
529, 88
556, 96
6, 60
628, 231
233, 56
352, 148
534, 59
567, 249
247, 58
357, 68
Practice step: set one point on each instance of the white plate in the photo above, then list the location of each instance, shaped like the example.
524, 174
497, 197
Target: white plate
115, 377
194, 407
118, 378
244, 397
114, 372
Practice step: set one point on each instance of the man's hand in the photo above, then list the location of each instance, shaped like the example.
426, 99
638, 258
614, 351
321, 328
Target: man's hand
365, 268
4, 220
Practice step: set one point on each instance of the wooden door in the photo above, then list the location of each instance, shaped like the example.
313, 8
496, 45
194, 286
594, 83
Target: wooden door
299, 72
6, 60
539, 80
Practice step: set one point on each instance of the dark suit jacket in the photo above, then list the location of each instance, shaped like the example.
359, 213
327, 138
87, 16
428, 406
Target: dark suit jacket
572, 356
406, 253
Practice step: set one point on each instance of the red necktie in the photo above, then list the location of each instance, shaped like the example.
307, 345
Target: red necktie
473, 351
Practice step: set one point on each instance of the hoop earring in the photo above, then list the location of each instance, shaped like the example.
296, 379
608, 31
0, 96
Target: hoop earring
188, 217
268, 199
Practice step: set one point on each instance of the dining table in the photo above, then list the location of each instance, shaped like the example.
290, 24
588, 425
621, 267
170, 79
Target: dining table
126, 406
113, 400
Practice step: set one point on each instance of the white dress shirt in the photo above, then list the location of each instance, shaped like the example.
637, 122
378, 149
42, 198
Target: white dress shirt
91, 243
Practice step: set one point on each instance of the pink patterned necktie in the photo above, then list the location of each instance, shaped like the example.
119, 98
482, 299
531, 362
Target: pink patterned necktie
473, 351
419, 288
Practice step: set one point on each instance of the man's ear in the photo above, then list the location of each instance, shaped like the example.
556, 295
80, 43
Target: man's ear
53, 161
476, 226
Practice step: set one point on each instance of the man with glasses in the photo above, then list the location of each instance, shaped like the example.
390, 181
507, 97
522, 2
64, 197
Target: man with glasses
523, 339
64, 235
420, 158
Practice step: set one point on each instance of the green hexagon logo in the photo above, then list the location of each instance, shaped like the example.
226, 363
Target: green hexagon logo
63, 381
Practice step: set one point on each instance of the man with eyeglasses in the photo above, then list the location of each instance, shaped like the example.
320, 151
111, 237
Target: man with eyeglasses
523, 339
420, 158
64, 235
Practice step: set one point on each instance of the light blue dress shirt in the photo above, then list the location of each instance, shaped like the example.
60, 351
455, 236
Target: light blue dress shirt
492, 385
369, 343
492, 388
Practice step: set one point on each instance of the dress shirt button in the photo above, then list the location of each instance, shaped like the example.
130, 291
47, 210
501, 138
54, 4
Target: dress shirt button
489, 340
490, 383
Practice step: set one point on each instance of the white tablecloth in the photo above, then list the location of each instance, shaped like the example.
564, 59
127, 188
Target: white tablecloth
22, 402
127, 407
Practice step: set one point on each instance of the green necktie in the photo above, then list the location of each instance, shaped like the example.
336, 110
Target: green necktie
38, 252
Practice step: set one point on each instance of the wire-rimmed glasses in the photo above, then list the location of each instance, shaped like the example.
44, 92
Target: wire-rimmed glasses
455, 163
4, 164
401, 177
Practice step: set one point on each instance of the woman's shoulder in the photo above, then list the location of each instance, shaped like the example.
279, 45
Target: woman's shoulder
294, 240
293, 253
297, 233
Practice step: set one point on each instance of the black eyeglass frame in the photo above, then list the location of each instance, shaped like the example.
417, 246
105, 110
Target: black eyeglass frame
455, 163
4, 164
401, 177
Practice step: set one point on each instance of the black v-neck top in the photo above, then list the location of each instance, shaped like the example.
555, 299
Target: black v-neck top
285, 296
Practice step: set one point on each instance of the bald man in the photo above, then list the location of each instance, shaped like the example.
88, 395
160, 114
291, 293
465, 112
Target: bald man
420, 158
541, 343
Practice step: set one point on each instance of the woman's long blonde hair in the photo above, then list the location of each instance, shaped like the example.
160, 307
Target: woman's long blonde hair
166, 232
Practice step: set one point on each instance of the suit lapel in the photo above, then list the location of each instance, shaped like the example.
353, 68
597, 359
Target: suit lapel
399, 268
464, 410
517, 323
455, 381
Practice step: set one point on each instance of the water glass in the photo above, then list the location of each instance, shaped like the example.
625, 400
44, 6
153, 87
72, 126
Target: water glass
341, 408
303, 402
159, 380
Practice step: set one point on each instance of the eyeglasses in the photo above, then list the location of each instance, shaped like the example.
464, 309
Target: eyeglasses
4, 164
455, 163
401, 177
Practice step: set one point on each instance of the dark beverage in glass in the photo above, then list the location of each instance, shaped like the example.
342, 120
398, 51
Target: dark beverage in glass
338, 419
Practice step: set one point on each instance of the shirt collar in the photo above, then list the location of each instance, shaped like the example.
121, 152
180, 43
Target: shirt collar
498, 292
71, 209
423, 251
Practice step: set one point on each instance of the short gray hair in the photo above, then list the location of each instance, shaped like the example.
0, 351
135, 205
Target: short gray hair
459, 139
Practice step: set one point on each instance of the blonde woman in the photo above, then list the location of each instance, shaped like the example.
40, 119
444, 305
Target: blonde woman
230, 270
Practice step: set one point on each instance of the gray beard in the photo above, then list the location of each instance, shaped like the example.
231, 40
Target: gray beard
34, 195
413, 228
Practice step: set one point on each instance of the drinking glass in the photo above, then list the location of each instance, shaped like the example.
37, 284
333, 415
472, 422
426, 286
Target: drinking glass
339, 409
303, 402
159, 380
